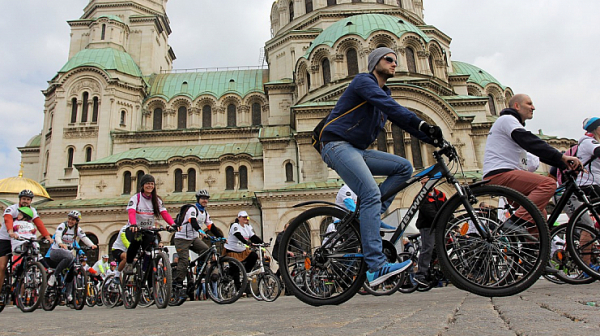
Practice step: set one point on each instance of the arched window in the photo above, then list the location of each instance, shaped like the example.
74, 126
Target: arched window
157, 119
178, 180
256, 114
381, 141
88, 154
95, 108
92, 255
46, 162
326, 71
182, 117
417, 156
398, 137
231, 115
307, 80
410, 60
70, 153
291, 10
229, 178
431, 67
289, 172
127, 183
84, 108
73, 110
492, 104
309, 6
206, 116
103, 33
243, 178
331, 2
352, 60
138, 177
122, 120
191, 174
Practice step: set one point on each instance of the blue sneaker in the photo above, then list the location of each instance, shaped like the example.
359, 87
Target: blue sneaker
382, 225
388, 270
594, 267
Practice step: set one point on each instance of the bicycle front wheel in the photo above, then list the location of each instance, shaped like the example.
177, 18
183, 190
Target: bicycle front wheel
31, 287
332, 273
583, 239
562, 261
163, 280
506, 263
269, 286
110, 291
90, 300
131, 289
225, 280
79, 288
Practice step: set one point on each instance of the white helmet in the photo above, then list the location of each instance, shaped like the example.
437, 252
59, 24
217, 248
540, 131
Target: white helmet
202, 193
75, 214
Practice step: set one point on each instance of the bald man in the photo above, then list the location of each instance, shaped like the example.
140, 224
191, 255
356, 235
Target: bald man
505, 158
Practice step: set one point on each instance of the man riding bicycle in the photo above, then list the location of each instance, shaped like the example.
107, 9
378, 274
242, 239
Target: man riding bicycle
7, 232
353, 125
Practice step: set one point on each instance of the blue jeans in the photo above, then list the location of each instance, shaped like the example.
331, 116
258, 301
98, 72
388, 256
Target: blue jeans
357, 168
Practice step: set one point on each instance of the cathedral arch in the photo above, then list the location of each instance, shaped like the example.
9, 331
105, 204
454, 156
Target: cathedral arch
382, 39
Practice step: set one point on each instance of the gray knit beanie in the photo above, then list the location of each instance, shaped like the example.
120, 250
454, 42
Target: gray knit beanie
376, 55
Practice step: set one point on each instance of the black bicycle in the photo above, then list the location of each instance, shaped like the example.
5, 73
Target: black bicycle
499, 257
75, 278
224, 277
151, 273
110, 291
25, 278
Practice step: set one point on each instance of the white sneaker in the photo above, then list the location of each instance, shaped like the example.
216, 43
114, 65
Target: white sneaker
51, 280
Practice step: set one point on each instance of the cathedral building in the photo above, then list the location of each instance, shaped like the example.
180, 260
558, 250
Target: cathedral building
117, 109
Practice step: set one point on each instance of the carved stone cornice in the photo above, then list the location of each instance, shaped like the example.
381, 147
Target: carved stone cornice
77, 132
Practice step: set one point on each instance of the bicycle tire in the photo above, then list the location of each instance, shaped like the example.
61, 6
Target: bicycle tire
583, 241
408, 285
130, 286
253, 282
162, 277
31, 287
50, 299
146, 299
90, 300
110, 292
560, 259
269, 286
79, 288
341, 267
505, 265
391, 285
224, 289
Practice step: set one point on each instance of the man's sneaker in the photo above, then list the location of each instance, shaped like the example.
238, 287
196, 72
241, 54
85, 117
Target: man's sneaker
128, 269
509, 227
51, 280
421, 280
384, 226
388, 270
593, 267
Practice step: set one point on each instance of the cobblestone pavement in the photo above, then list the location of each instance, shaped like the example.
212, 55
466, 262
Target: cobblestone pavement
544, 309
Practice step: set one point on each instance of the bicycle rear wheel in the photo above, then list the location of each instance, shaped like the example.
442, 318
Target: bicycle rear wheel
509, 261
334, 272
79, 288
269, 286
253, 282
110, 291
162, 280
561, 260
583, 239
130, 287
146, 298
90, 300
31, 287
391, 285
226, 280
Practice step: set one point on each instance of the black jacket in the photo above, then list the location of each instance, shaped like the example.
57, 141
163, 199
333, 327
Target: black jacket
429, 208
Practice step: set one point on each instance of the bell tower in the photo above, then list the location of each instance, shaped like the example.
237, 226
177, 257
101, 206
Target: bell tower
138, 27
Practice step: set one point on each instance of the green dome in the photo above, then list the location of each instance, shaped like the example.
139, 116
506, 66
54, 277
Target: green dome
477, 75
105, 59
364, 25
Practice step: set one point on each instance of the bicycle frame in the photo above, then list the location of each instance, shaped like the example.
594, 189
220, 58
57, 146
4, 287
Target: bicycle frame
202, 258
570, 189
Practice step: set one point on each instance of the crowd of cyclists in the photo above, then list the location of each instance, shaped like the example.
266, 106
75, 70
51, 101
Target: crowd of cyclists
505, 163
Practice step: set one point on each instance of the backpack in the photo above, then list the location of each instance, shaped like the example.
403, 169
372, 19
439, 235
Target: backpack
570, 152
181, 214
318, 130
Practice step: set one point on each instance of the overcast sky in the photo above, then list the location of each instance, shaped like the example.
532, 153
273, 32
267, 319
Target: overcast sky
546, 48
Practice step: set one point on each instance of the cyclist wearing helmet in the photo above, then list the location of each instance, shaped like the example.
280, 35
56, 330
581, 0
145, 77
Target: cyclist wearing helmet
7, 231
143, 208
101, 266
65, 236
188, 237
112, 270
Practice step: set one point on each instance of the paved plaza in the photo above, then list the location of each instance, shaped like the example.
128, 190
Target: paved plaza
544, 309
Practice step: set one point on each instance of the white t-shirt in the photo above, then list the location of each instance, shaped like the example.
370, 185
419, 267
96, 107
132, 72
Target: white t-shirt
344, 193
233, 243
144, 210
501, 151
585, 150
24, 229
118, 244
66, 235
187, 231
12, 210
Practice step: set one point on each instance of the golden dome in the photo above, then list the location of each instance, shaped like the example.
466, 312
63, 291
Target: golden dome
14, 185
